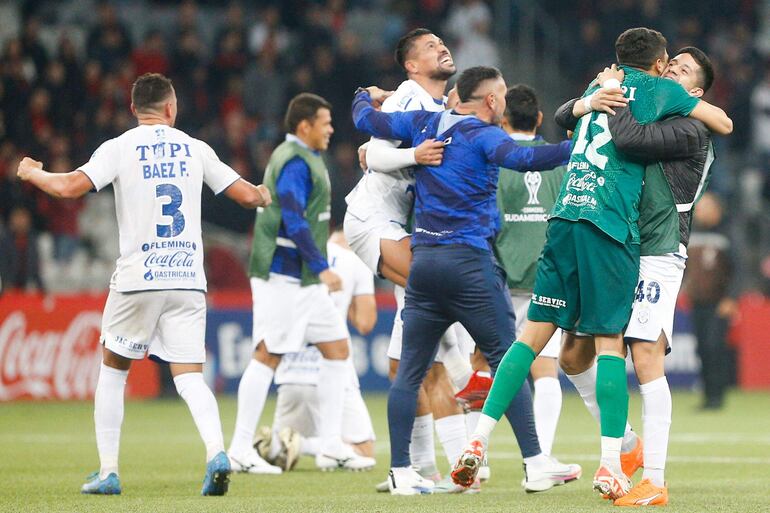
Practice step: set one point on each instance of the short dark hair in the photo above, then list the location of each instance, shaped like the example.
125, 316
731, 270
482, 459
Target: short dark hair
640, 47
406, 43
522, 107
302, 107
150, 90
706, 71
471, 78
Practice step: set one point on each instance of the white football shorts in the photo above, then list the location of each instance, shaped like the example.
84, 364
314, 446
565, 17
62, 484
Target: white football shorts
169, 325
660, 278
520, 307
297, 407
287, 315
364, 237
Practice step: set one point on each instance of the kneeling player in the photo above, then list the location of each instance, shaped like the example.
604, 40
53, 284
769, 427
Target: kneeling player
296, 423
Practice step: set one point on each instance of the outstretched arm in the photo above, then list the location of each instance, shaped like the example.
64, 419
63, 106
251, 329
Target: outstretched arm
248, 195
394, 125
59, 185
504, 152
674, 138
713, 117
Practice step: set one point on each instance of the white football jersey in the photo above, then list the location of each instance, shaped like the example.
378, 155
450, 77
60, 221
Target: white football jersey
357, 280
157, 173
391, 195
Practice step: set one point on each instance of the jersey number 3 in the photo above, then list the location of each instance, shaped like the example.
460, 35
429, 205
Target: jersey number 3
170, 209
590, 149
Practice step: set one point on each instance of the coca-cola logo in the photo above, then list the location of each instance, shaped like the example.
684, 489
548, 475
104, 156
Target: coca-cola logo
170, 260
61, 364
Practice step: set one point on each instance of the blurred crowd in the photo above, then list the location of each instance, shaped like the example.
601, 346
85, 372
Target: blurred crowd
67, 68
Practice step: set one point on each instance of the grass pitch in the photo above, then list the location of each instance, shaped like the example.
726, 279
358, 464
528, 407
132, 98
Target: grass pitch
718, 461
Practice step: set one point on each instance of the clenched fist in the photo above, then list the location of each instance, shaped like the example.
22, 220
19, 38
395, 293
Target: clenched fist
26, 167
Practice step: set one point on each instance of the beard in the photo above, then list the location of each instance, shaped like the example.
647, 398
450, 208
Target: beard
443, 74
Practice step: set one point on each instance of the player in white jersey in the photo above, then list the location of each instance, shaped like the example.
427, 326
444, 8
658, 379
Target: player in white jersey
296, 420
156, 303
378, 212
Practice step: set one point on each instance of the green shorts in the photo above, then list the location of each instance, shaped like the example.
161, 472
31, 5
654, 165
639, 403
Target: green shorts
585, 280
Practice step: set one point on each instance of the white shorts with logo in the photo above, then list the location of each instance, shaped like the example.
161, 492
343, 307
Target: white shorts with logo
520, 307
364, 236
660, 278
169, 325
297, 407
287, 315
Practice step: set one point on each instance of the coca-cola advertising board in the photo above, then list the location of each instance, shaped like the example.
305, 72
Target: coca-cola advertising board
49, 349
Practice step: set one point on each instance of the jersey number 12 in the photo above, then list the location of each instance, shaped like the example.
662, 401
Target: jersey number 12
590, 149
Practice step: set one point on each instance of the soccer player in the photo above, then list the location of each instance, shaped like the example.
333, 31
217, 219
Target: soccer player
378, 212
587, 273
157, 303
671, 189
524, 201
290, 283
456, 220
296, 420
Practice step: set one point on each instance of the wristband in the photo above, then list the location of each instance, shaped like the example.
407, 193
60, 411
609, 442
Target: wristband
587, 103
611, 83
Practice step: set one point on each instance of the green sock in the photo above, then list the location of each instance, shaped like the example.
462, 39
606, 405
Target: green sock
513, 370
612, 395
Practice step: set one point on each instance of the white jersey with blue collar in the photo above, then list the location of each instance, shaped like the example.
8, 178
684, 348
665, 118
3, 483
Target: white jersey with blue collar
391, 195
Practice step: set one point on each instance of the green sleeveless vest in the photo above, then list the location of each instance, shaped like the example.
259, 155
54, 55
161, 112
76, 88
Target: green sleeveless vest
268, 221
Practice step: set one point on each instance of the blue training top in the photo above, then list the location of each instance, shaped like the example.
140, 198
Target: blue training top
293, 189
456, 201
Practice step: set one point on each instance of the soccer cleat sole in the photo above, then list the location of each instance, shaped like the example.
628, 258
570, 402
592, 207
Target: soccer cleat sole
220, 483
465, 473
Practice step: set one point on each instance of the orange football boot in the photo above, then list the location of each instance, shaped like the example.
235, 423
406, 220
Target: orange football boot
644, 494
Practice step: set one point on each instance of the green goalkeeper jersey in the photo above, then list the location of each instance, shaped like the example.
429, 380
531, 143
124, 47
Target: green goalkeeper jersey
602, 185
524, 201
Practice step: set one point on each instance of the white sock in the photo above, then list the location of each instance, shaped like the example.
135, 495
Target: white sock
611, 453
275, 445
457, 365
484, 428
333, 376
656, 419
310, 446
538, 460
205, 412
108, 417
422, 452
453, 435
585, 383
471, 421
547, 407
252, 393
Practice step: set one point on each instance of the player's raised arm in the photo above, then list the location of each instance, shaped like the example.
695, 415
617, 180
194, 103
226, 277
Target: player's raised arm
713, 117
393, 125
59, 185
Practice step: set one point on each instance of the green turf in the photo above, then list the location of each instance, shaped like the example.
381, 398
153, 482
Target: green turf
719, 461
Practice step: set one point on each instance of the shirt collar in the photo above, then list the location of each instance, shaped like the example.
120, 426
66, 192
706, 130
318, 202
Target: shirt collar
293, 138
522, 137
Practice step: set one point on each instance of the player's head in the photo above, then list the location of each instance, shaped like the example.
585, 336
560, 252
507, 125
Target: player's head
692, 68
309, 117
522, 110
642, 48
421, 53
484, 87
153, 95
